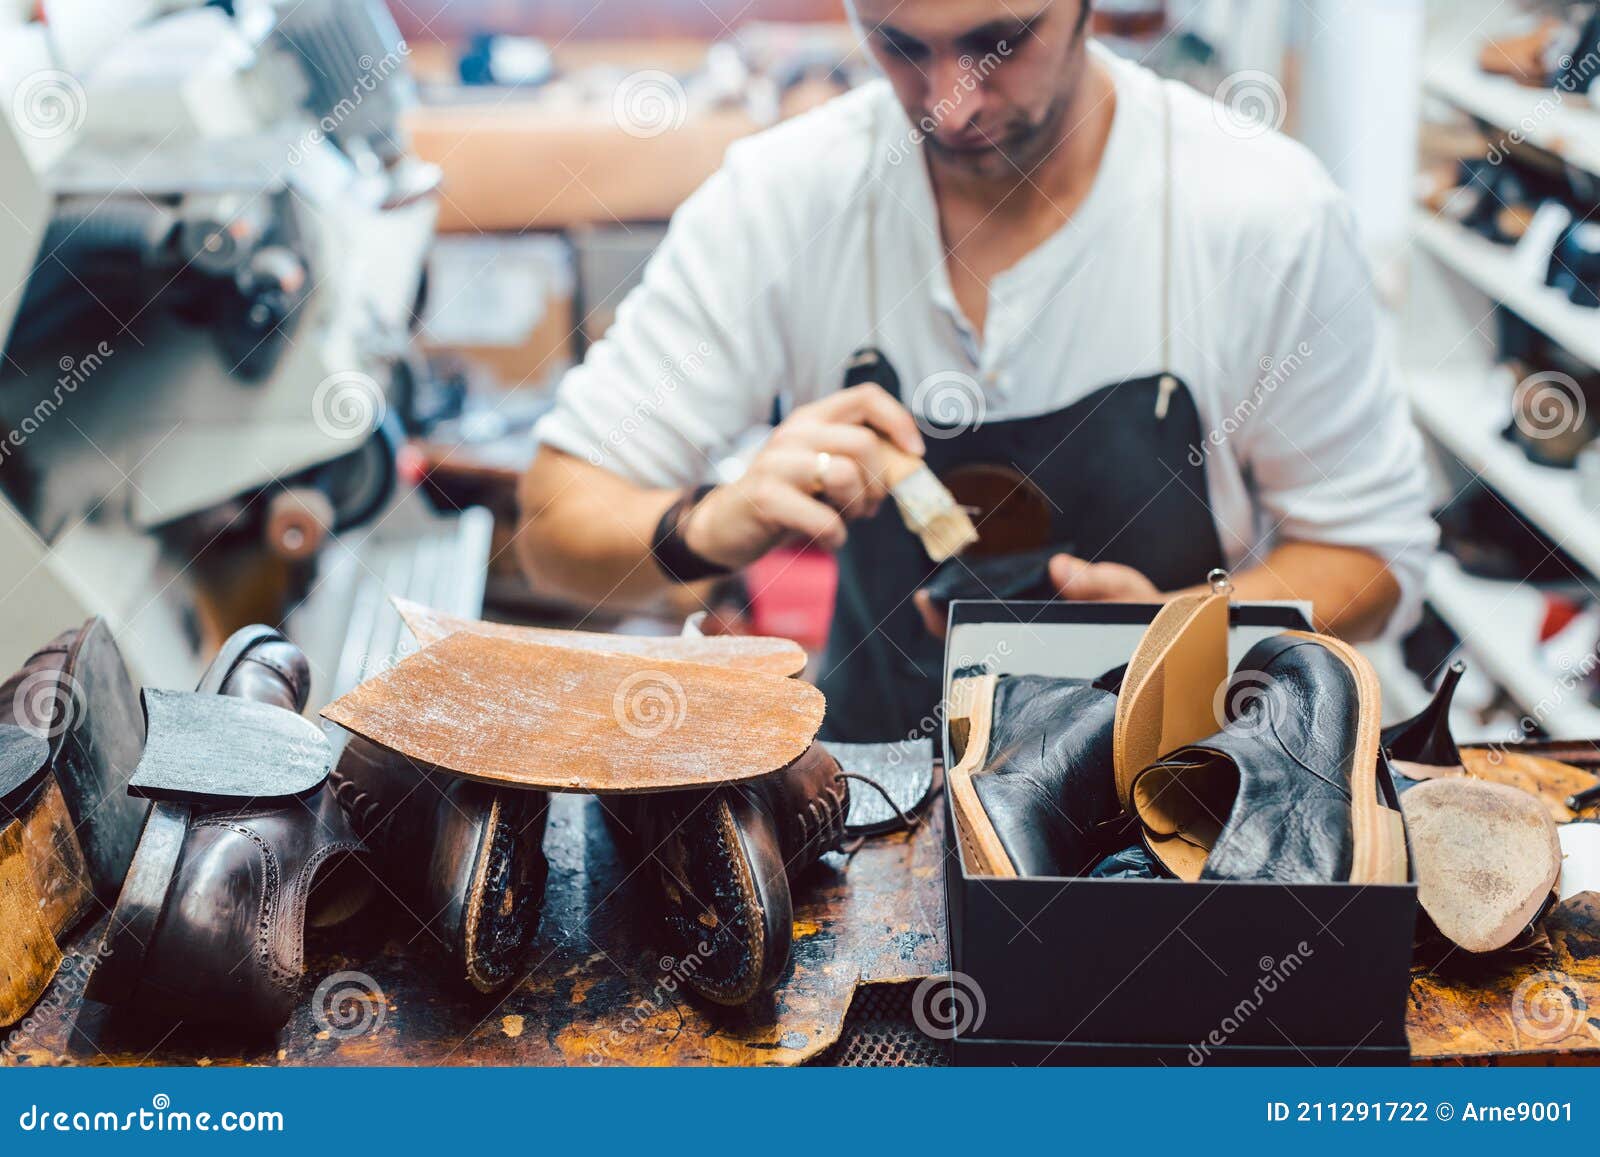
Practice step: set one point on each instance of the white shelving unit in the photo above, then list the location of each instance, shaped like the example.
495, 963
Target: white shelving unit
1498, 623
1563, 123
1489, 268
1465, 417
1457, 280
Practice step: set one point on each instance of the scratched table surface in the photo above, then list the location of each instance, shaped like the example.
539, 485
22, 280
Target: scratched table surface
598, 991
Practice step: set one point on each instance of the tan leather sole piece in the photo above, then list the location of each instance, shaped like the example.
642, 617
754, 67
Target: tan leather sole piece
1487, 856
971, 715
1169, 692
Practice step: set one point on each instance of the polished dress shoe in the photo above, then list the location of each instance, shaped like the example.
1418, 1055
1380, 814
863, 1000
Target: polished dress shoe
723, 863
243, 847
70, 735
1288, 790
465, 859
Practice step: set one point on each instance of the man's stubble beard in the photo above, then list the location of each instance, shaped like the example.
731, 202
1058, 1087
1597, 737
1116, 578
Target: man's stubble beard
1016, 156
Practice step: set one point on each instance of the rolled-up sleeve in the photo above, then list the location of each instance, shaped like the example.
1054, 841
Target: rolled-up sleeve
1333, 455
697, 352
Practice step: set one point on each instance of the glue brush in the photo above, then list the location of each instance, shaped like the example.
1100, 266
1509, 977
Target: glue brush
928, 509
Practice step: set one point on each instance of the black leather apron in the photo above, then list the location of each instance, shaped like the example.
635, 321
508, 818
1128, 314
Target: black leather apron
1120, 484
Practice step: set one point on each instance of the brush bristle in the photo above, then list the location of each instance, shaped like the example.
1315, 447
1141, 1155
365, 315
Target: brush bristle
931, 513
948, 535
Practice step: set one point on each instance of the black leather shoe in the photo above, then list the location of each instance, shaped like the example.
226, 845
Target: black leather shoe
465, 859
1023, 575
724, 861
1043, 765
1424, 740
1046, 789
1288, 790
242, 849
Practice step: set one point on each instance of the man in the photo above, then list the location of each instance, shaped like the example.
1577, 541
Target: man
1104, 299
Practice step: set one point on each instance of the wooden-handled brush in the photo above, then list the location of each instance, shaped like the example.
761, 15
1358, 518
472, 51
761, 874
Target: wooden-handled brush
929, 510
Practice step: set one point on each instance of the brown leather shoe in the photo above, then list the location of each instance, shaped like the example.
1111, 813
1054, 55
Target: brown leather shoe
75, 693
241, 850
72, 734
465, 859
724, 860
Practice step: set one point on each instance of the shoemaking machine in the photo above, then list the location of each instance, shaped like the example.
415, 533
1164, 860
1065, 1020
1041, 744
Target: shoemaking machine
211, 258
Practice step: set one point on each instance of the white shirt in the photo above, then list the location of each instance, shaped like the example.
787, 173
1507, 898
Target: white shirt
760, 289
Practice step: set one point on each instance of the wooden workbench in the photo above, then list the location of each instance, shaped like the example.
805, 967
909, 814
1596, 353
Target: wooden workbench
866, 929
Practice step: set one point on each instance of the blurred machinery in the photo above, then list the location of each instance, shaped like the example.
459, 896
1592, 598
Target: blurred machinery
211, 258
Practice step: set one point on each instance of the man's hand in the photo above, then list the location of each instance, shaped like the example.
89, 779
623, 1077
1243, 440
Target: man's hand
1074, 579
1101, 582
782, 493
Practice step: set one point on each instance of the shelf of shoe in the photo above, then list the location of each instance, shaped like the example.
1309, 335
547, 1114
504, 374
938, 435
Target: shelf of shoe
1491, 270
1460, 409
1498, 623
1563, 123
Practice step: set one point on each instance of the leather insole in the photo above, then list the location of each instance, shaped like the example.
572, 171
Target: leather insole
1168, 695
528, 715
743, 652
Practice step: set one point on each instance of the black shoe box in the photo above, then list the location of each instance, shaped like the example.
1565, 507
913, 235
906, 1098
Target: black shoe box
1123, 971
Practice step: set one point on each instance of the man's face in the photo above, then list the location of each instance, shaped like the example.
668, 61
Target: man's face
987, 82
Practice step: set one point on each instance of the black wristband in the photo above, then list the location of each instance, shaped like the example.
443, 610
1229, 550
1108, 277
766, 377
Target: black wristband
671, 553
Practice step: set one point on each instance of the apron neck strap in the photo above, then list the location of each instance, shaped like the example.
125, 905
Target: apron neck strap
1166, 227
